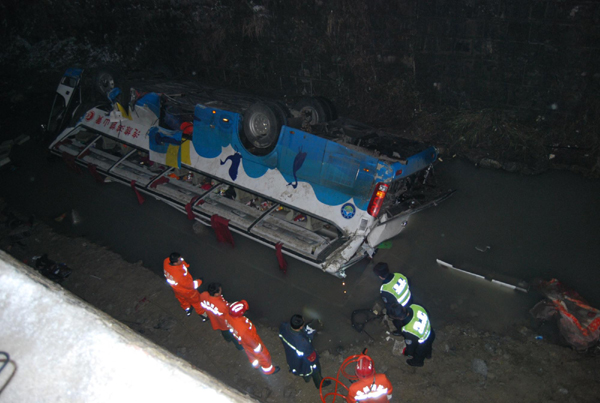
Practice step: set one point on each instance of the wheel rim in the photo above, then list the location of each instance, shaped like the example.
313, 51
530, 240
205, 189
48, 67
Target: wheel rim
260, 128
106, 83
314, 114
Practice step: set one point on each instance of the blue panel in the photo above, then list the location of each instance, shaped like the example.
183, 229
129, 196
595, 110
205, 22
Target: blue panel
152, 101
416, 163
159, 139
73, 72
213, 130
300, 156
336, 173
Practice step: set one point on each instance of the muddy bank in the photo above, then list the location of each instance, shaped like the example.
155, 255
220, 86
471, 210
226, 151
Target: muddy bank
468, 365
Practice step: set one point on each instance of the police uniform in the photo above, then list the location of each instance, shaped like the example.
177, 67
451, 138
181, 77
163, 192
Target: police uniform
418, 335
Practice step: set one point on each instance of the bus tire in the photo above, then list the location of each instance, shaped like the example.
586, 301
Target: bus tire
262, 124
329, 107
312, 106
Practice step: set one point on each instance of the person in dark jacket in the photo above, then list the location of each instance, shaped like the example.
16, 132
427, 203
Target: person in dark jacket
417, 332
301, 357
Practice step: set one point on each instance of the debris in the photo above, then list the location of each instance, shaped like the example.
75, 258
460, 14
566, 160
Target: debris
518, 287
49, 268
398, 347
4, 159
578, 322
23, 138
60, 217
75, 217
479, 367
385, 245
483, 248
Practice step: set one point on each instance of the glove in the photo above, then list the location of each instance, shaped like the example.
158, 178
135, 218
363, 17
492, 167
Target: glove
312, 357
404, 351
309, 330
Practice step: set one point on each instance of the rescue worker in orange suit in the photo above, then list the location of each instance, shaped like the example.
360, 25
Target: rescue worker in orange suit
183, 285
370, 387
417, 332
245, 332
214, 305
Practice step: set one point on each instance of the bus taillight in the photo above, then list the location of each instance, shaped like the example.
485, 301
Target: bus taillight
377, 199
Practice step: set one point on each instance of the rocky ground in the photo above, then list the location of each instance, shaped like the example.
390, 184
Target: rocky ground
467, 365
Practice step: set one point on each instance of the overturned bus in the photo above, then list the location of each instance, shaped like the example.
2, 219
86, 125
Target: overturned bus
324, 189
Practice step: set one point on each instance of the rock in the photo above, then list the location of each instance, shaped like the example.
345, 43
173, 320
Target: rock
479, 367
511, 166
490, 163
563, 391
288, 392
398, 347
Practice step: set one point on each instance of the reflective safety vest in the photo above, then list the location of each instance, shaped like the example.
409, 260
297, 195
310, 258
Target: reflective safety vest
398, 287
419, 325
370, 390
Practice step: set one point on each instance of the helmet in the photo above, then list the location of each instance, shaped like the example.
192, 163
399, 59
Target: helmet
238, 309
365, 367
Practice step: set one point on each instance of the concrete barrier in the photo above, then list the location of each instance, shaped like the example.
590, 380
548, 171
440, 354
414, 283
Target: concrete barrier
64, 350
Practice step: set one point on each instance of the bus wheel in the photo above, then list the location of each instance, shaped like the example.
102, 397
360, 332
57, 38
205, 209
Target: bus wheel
262, 124
313, 109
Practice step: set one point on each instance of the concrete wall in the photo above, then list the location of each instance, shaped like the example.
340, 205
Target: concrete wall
64, 350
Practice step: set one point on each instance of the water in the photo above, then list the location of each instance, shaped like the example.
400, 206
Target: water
544, 226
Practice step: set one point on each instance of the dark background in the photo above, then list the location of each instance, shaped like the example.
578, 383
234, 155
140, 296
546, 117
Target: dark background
515, 78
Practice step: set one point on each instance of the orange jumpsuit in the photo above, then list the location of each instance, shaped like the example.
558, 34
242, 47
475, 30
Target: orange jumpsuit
183, 285
245, 332
372, 390
217, 309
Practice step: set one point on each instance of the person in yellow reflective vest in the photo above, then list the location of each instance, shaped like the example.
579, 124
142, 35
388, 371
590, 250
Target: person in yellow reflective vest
395, 289
417, 332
